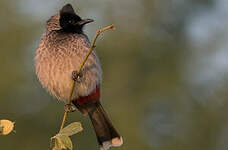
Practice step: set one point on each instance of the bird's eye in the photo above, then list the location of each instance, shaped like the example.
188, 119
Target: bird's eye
71, 21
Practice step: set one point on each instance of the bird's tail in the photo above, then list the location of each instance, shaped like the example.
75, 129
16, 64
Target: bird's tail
107, 136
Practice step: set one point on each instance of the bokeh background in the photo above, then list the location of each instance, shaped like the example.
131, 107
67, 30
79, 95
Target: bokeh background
165, 68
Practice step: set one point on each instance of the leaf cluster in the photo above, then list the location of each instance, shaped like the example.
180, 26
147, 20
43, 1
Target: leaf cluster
62, 141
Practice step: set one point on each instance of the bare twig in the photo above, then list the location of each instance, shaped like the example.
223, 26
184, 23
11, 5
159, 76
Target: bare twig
80, 68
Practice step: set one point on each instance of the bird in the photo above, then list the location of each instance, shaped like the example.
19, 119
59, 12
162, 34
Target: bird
62, 49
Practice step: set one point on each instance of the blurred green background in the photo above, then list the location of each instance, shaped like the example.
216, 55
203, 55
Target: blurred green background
165, 73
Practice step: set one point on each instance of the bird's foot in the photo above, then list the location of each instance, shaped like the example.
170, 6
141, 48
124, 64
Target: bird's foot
76, 76
69, 108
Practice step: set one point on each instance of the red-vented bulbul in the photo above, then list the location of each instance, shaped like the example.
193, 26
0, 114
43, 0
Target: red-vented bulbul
60, 53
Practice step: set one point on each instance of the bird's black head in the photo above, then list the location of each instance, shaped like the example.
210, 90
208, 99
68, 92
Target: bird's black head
70, 21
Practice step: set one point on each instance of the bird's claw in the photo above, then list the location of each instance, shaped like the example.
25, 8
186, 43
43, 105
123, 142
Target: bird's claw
69, 108
76, 76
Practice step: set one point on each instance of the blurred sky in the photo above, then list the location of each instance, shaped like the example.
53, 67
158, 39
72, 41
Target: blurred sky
165, 73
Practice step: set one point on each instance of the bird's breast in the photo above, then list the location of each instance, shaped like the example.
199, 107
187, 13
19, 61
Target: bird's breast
54, 67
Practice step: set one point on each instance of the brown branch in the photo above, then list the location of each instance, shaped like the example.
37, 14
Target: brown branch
80, 68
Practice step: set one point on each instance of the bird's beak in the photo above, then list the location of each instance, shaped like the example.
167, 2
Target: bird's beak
84, 21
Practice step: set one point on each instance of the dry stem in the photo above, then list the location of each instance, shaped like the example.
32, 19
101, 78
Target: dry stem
80, 68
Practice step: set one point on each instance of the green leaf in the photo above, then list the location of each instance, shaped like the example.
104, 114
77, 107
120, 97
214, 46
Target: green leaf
71, 129
58, 144
66, 142
63, 142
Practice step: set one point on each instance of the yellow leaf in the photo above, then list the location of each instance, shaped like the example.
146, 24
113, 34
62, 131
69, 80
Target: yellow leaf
6, 127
